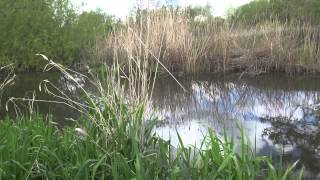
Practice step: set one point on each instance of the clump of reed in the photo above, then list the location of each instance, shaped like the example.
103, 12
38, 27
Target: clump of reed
273, 46
164, 35
185, 45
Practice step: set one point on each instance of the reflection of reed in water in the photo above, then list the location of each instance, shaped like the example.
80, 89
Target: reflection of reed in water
7, 77
224, 103
220, 100
27, 85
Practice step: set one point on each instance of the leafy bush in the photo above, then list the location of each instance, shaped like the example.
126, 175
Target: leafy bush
282, 10
46, 26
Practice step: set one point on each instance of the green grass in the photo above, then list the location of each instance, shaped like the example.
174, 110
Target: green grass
36, 149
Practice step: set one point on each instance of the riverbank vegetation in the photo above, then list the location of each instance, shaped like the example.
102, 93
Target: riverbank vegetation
217, 46
262, 36
35, 148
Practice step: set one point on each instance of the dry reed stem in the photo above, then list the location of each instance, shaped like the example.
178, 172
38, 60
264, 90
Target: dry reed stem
182, 45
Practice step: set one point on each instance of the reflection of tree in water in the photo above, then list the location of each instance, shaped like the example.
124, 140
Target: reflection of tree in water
302, 136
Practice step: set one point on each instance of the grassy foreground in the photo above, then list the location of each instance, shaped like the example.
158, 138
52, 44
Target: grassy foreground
36, 149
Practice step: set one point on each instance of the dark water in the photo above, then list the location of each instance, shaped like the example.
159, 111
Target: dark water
279, 113
28, 84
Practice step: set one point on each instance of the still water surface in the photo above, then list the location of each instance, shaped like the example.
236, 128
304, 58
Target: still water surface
279, 113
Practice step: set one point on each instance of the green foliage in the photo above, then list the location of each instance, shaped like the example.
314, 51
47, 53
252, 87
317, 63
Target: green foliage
193, 12
91, 25
35, 148
87, 28
30, 27
281, 10
45, 26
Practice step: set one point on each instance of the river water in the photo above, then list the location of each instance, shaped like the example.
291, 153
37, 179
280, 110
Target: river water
279, 113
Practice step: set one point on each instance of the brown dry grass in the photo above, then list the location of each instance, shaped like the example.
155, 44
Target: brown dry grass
184, 46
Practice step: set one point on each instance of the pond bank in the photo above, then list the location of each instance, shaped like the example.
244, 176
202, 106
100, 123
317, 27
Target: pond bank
214, 47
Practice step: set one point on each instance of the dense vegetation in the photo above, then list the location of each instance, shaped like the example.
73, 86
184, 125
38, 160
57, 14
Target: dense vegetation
215, 45
282, 10
274, 35
36, 149
46, 26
